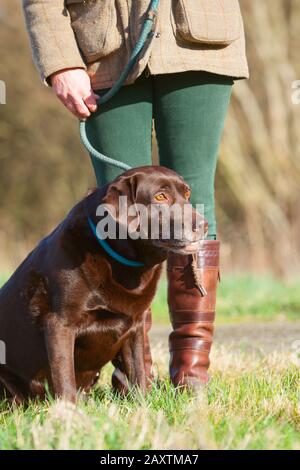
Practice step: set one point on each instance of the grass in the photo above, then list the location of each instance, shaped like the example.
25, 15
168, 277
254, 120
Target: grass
245, 298
251, 403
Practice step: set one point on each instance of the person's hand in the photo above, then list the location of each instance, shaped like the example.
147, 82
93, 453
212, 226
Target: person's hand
73, 88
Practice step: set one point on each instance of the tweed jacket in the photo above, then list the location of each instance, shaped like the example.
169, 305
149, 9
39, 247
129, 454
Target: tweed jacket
99, 35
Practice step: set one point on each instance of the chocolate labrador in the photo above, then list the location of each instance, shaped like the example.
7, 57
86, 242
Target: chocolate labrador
75, 302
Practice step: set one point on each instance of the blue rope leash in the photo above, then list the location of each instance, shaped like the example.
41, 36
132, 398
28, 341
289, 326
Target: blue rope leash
115, 88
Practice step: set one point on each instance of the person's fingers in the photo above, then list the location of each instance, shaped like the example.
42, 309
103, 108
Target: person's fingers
74, 86
76, 107
91, 102
71, 108
81, 108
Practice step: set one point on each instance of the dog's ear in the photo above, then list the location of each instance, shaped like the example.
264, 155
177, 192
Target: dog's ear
123, 186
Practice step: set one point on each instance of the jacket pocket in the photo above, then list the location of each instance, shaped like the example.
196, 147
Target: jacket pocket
96, 27
216, 22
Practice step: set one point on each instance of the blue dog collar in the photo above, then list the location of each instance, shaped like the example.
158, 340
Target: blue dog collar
111, 252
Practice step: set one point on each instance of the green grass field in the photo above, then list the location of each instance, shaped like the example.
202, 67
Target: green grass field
252, 401
246, 298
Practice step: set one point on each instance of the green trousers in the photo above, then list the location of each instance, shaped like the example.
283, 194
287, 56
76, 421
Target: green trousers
188, 110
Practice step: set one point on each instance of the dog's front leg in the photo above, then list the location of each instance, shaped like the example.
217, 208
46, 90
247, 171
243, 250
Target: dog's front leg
60, 340
138, 358
133, 357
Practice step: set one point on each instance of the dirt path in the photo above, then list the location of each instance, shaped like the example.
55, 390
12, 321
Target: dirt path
265, 337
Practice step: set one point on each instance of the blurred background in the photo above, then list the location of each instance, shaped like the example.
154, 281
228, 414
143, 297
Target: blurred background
44, 169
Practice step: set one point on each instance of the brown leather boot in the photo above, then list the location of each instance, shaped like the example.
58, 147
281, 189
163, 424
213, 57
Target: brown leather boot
192, 313
119, 380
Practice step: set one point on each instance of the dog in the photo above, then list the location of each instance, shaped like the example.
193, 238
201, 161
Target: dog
71, 306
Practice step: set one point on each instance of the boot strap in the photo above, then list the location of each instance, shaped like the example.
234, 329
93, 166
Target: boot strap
208, 255
192, 316
196, 344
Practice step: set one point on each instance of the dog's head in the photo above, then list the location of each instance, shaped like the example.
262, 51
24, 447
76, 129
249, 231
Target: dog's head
152, 203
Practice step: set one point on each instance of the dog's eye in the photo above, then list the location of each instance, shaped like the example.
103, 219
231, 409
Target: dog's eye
187, 194
160, 197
